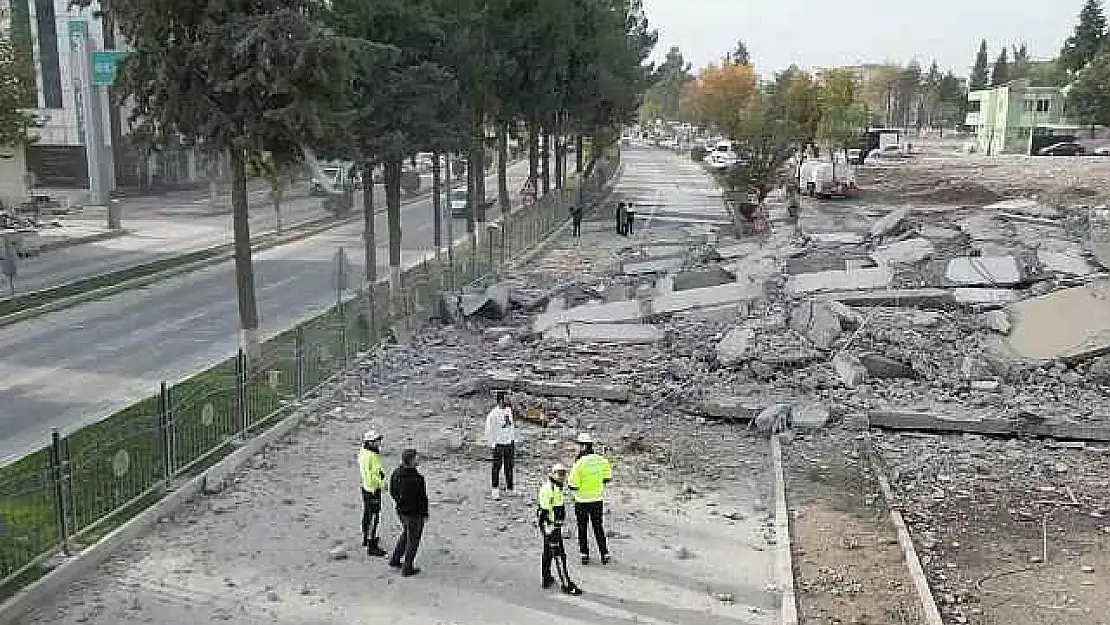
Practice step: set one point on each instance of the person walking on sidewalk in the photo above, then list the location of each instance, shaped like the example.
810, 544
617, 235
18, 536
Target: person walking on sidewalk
501, 436
588, 478
373, 479
576, 220
552, 513
629, 218
620, 218
406, 485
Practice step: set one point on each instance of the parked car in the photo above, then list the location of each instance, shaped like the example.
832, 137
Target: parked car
331, 175
1102, 150
887, 151
1064, 148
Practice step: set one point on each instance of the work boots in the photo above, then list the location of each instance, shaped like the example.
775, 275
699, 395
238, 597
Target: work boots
373, 549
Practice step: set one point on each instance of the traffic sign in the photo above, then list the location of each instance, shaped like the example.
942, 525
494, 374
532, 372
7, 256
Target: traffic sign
105, 64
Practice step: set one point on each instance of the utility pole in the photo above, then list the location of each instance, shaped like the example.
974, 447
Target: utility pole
91, 87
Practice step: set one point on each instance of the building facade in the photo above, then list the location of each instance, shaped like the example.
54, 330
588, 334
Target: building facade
1009, 119
57, 159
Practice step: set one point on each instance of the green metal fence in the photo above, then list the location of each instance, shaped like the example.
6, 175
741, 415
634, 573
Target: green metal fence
87, 482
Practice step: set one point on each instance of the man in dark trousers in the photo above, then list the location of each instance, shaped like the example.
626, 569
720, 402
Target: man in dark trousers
501, 436
620, 218
406, 485
576, 220
588, 478
552, 513
629, 218
372, 477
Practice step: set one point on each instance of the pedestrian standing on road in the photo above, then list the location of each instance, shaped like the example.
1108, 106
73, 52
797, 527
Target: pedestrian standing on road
406, 485
629, 218
620, 218
588, 478
576, 219
501, 436
552, 513
373, 479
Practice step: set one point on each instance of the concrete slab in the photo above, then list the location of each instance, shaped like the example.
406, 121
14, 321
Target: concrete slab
984, 271
908, 252
613, 312
681, 301
890, 222
1069, 264
732, 408
656, 252
810, 416
837, 280
739, 250
1098, 236
939, 234
989, 425
985, 297
921, 298
665, 265
1072, 324
817, 321
1032, 208
702, 278
982, 228
849, 369
621, 333
837, 238
584, 390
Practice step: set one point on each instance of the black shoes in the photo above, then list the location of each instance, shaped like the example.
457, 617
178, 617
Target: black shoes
372, 549
548, 583
395, 565
410, 572
572, 590
585, 559
605, 558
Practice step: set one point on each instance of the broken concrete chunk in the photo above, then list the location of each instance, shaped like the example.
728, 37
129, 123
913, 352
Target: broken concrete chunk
922, 298
817, 321
837, 238
615, 312
626, 334
825, 281
731, 408
884, 367
890, 223
1067, 264
773, 419
908, 252
851, 371
734, 347
988, 425
681, 301
736, 251
606, 392
939, 234
810, 416
984, 271
1071, 324
975, 368
996, 320
849, 318
1098, 236
665, 265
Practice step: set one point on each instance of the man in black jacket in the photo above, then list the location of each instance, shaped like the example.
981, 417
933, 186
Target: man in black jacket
406, 485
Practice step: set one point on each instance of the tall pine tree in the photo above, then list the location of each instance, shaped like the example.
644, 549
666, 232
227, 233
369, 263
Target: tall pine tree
980, 72
1088, 39
1001, 73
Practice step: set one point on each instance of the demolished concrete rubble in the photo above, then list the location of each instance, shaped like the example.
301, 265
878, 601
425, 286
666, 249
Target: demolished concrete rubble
825, 281
734, 347
984, 271
908, 252
1064, 263
817, 321
890, 223
629, 334
1072, 324
851, 371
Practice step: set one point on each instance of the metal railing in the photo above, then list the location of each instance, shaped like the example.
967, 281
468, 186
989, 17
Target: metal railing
89, 481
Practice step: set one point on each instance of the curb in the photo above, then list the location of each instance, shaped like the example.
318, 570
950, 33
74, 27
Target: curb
54, 582
913, 563
784, 564
90, 238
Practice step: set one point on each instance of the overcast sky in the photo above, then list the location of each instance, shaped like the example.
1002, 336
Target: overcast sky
818, 33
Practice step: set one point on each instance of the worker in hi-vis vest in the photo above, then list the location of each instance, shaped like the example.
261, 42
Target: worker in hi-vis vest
372, 477
552, 513
588, 478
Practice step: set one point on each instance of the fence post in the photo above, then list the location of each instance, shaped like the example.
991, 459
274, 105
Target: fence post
58, 473
165, 433
241, 394
298, 362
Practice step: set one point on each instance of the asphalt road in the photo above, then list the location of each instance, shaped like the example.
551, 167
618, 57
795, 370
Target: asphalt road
161, 228
70, 368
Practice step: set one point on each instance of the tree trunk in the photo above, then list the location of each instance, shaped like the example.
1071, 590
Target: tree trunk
579, 143
478, 165
249, 338
502, 168
533, 151
545, 162
393, 217
560, 152
437, 204
277, 197
369, 244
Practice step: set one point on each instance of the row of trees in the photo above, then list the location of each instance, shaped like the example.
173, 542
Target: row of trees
1086, 57
377, 82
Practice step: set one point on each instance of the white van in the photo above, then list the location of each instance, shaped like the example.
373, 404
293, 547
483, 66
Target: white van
721, 156
816, 178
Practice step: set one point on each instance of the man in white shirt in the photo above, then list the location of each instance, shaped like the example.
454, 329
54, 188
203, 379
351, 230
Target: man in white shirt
501, 436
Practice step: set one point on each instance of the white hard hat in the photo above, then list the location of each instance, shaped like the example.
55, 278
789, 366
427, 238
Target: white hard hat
585, 439
371, 436
558, 468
